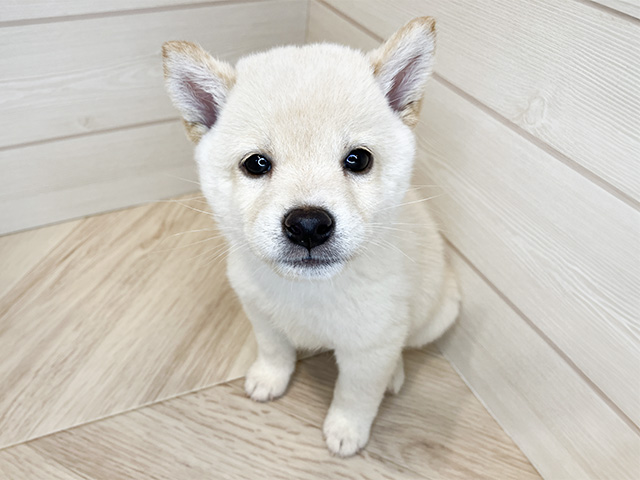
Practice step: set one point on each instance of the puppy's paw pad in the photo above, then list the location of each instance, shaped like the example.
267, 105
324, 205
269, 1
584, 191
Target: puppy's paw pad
266, 382
344, 438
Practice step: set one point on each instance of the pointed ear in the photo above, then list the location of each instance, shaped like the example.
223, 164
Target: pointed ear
403, 64
198, 85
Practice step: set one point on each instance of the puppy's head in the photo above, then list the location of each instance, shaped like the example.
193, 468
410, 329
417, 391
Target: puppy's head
304, 151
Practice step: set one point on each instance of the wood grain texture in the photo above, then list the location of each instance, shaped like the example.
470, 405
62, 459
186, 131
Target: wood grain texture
18, 257
435, 428
69, 178
68, 78
16, 10
562, 249
119, 314
327, 26
564, 71
24, 463
562, 425
629, 7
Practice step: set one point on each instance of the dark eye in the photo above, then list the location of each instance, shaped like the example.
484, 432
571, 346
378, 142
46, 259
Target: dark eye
257, 164
358, 160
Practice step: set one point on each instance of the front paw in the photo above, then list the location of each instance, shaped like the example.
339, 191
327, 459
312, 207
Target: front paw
265, 381
345, 435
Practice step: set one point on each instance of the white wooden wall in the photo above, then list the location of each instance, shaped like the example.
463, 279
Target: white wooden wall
85, 124
531, 129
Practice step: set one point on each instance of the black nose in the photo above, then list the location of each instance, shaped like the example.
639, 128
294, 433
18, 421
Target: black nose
308, 226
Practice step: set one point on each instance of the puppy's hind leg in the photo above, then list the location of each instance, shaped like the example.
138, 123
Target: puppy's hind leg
443, 317
397, 379
269, 375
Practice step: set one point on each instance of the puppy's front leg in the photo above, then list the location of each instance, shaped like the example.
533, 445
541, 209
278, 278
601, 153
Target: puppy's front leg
363, 378
269, 375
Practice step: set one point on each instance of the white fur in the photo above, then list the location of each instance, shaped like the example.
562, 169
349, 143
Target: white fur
390, 287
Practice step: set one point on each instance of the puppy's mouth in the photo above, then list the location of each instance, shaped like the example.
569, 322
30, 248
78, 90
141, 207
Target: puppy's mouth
311, 262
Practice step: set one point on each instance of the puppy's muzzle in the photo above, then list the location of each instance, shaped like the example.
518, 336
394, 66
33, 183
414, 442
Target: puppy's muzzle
308, 226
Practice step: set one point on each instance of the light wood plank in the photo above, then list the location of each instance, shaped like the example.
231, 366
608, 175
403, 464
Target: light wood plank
68, 78
562, 70
563, 250
71, 178
20, 254
120, 314
218, 433
16, 10
23, 463
563, 426
435, 428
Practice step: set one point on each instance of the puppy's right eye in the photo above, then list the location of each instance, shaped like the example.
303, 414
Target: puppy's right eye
257, 165
358, 160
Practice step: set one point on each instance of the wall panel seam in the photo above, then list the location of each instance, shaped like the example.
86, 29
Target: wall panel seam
134, 11
62, 138
545, 338
541, 144
610, 10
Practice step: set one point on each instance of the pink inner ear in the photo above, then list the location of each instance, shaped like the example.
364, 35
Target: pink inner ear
203, 103
404, 84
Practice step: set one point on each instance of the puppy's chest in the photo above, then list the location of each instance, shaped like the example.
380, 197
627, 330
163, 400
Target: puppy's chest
335, 315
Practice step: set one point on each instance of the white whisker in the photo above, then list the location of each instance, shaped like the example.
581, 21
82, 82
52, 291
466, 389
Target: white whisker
192, 231
183, 179
186, 206
411, 203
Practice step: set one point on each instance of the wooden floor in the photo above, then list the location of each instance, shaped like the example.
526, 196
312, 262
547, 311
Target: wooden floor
121, 351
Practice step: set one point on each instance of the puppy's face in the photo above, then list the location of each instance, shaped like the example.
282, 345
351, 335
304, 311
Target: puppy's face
304, 151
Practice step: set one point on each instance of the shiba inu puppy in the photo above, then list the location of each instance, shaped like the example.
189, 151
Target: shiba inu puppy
305, 156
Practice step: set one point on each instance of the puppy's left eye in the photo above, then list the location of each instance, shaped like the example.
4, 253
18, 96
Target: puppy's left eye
257, 164
358, 160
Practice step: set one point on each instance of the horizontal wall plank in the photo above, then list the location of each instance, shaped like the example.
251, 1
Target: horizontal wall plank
326, 26
68, 78
560, 423
14, 10
564, 71
70, 178
561, 248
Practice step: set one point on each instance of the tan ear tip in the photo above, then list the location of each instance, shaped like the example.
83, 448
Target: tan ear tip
168, 48
427, 23
180, 47
173, 46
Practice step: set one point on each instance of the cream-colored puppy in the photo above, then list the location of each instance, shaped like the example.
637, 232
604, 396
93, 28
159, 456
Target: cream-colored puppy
305, 155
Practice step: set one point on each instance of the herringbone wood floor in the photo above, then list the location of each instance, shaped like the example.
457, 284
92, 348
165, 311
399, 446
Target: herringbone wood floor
121, 351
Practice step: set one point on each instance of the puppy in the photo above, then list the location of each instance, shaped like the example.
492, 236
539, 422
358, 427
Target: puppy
305, 156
